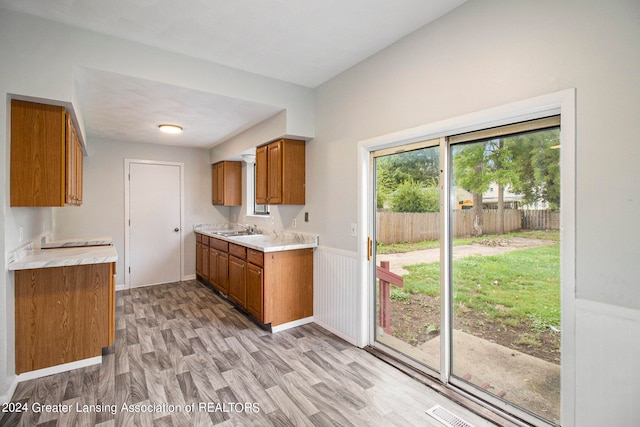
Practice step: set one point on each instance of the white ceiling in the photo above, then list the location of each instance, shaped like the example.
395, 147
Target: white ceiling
125, 108
305, 42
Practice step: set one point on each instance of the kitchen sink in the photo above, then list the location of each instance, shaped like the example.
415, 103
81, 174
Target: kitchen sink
232, 233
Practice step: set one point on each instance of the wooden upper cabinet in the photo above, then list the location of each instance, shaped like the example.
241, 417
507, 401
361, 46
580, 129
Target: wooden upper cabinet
46, 156
280, 173
73, 169
261, 176
226, 185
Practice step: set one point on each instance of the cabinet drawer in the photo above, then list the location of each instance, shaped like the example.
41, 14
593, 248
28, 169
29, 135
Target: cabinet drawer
255, 257
221, 245
198, 238
238, 251
205, 240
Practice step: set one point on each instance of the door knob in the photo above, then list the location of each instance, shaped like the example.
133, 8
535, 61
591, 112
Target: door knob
176, 229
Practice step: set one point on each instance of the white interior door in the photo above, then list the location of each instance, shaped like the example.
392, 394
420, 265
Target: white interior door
154, 223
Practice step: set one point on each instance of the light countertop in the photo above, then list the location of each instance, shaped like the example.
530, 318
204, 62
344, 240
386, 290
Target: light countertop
265, 240
66, 256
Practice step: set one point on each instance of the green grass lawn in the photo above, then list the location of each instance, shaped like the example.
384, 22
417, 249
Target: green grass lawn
509, 288
430, 244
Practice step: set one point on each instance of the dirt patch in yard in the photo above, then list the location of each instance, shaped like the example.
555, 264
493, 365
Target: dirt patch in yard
416, 320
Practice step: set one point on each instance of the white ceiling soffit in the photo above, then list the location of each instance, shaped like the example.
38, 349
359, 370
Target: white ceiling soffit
123, 108
306, 42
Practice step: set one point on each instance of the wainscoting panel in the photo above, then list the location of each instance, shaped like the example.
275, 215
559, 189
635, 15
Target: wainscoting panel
608, 373
337, 292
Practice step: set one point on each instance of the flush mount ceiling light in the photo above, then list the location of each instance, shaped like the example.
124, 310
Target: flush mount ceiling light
167, 128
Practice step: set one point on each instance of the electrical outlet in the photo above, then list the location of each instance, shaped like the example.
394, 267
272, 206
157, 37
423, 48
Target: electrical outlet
354, 229
294, 222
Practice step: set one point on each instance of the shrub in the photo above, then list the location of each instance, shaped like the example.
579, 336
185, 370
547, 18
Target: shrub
411, 196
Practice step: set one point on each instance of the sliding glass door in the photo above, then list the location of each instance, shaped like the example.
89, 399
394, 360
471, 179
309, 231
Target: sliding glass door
408, 251
467, 257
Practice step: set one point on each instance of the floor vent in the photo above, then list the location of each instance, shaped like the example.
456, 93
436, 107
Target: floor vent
447, 418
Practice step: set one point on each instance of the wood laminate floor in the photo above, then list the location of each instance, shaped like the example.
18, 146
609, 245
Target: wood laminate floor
183, 356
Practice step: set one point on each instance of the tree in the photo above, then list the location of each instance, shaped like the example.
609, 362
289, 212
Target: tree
526, 161
468, 168
479, 164
536, 162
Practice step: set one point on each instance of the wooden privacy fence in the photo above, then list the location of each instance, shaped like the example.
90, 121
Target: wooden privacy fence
394, 227
539, 219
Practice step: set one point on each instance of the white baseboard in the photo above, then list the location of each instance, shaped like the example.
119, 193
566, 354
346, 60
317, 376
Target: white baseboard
290, 325
39, 373
189, 277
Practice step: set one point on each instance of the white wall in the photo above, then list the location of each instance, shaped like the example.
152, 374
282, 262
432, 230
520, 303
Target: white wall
102, 210
489, 53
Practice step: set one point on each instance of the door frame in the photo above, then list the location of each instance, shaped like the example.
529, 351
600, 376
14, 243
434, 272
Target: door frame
127, 249
562, 103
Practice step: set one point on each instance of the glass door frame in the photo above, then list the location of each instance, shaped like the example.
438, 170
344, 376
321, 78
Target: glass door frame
438, 143
560, 103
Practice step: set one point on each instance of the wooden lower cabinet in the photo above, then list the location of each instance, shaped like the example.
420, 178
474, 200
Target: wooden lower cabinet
274, 287
223, 272
288, 286
238, 280
219, 269
205, 258
198, 258
255, 291
63, 314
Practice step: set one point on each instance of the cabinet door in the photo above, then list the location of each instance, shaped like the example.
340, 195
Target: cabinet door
213, 266
62, 314
199, 258
237, 280
215, 198
79, 170
254, 291
38, 160
223, 272
112, 303
262, 197
70, 162
205, 262
73, 165
274, 186
220, 184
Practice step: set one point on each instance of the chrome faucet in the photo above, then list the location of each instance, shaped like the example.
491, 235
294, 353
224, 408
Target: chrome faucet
249, 229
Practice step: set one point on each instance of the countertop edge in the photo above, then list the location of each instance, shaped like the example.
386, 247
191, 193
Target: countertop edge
277, 246
62, 257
